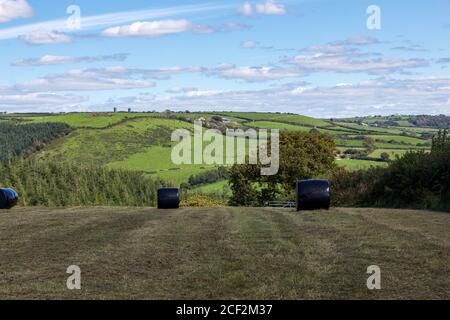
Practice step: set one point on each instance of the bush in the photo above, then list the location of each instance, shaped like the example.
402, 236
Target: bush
416, 180
202, 201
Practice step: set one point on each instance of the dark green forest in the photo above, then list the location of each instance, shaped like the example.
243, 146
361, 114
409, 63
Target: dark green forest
64, 184
440, 121
18, 140
42, 183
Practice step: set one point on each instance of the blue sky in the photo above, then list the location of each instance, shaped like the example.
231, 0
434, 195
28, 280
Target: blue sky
312, 57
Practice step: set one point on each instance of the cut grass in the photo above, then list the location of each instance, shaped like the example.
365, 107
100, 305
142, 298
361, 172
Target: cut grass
223, 253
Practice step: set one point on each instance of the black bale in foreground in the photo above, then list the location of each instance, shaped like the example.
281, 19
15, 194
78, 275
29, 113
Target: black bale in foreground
168, 198
313, 195
8, 198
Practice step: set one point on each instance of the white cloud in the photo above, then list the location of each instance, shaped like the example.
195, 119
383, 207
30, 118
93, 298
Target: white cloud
13, 9
59, 60
232, 26
107, 78
270, 7
85, 80
181, 89
299, 90
43, 37
246, 9
167, 27
253, 74
203, 93
249, 44
111, 19
203, 29
149, 29
329, 48
36, 101
379, 96
349, 64
359, 41
343, 46
374, 96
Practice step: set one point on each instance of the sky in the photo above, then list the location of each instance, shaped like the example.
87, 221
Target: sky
321, 58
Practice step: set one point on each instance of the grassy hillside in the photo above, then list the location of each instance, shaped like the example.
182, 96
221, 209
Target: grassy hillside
141, 141
223, 253
284, 118
141, 144
89, 120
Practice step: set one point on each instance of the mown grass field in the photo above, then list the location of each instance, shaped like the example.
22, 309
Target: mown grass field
223, 253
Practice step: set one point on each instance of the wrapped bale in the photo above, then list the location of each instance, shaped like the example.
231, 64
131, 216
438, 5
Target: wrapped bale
8, 198
313, 195
168, 198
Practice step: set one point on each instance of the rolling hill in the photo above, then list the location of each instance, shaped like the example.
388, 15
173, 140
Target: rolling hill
141, 141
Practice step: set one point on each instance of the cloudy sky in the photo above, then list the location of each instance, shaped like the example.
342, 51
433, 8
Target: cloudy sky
322, 58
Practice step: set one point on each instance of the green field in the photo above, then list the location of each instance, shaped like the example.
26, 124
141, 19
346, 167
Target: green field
220, 188
401, 139
354, 164
286, 118
138, 144
223, 253
392, 153
90, 120
141, 144
277, 125
141, 141
350, 143
370, 128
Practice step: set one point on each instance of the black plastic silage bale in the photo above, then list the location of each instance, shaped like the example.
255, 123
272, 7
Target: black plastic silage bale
8, 198
313, 195
168, 198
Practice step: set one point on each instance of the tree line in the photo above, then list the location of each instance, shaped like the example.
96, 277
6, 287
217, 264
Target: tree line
45, 183
439, 121
18, 140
